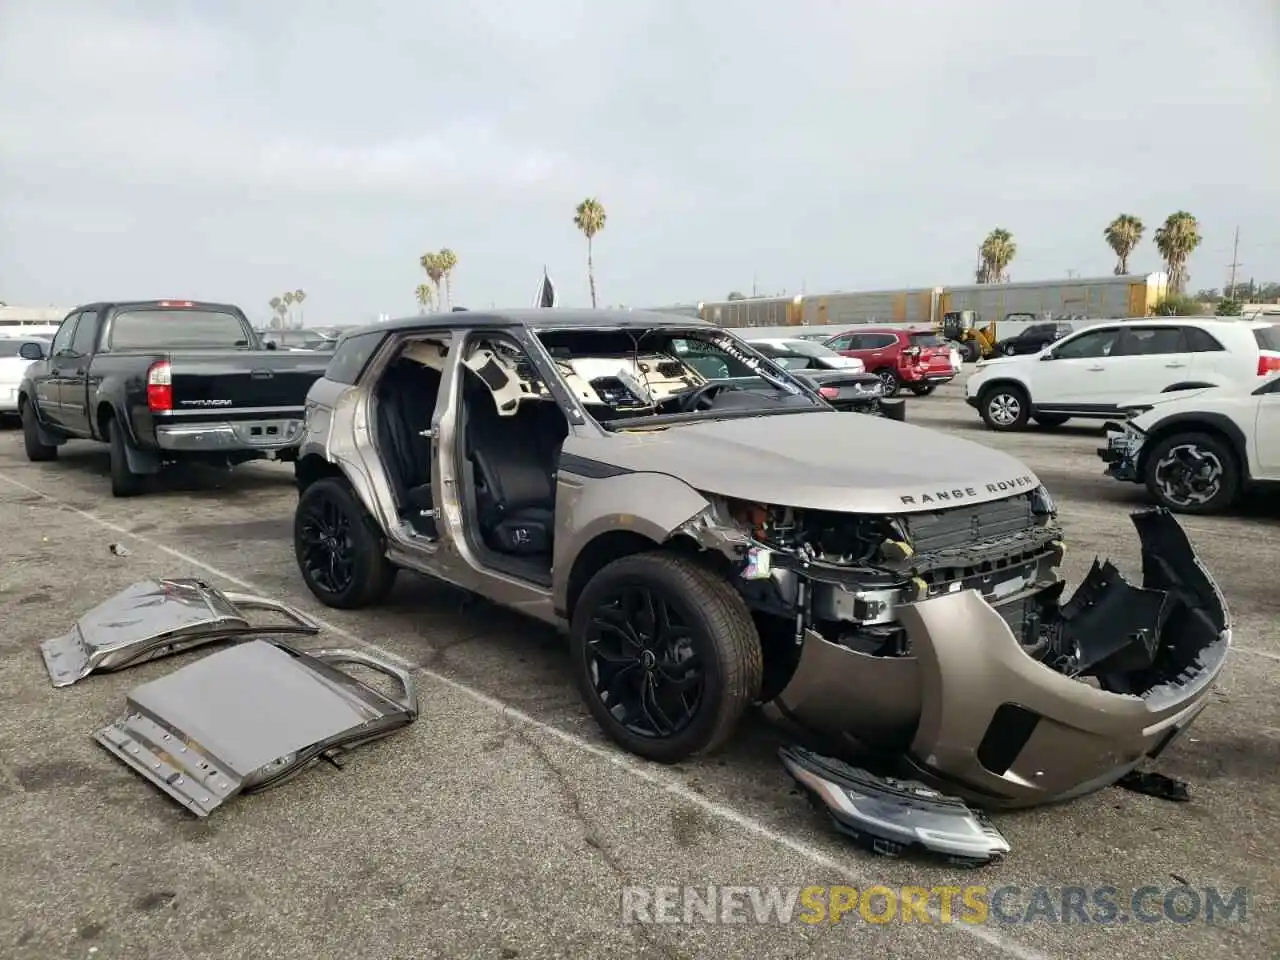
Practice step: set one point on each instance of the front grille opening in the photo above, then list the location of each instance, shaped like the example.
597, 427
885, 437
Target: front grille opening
1011, 727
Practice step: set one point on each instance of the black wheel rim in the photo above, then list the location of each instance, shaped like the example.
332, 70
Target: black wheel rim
642, 663
1188, 475
328, 551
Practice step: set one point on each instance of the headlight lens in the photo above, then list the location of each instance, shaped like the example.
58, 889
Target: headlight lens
1042, 504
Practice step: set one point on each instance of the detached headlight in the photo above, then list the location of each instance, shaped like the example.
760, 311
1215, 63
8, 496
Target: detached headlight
1042, 504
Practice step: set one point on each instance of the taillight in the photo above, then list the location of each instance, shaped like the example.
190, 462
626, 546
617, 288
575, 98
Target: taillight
160, 387
1268, 365
828, 393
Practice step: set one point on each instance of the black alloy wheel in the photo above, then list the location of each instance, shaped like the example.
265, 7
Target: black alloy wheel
643, 665
338, 548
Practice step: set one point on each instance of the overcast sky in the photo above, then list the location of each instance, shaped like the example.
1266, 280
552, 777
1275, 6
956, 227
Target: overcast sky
232, 150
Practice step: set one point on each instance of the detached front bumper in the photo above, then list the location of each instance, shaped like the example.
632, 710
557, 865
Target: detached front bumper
1124, 444
973, 714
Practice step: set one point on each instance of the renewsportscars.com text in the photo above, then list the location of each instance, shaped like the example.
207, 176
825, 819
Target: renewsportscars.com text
930, 905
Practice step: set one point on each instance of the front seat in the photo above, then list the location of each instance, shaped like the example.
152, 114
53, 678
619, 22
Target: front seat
514, 461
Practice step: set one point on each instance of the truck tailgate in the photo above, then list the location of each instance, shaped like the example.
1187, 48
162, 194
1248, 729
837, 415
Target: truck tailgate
231, 380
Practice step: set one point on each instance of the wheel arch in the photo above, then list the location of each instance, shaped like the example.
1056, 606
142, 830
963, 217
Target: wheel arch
1187, 385
314, 467
1005, 382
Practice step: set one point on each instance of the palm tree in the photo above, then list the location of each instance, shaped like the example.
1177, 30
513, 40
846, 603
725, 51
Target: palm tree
275, 303
996, 253
1122, 235
288, 303
448, 260
589, 217
1176, 239
425, 297
298, 297
434, 268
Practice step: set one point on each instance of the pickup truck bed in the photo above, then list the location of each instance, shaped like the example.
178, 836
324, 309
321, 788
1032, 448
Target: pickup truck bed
165, 381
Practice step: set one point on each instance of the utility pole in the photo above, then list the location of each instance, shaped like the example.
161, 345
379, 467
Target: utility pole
1235, 256
753, 285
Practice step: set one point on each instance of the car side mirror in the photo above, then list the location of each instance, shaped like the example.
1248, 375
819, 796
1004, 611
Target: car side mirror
1048, 355
31, 351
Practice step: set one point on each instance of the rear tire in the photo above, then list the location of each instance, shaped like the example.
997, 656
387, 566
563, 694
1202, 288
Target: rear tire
682, 676
124, 482
890, 380
1168, 470
340, 550
1004, 408
37, 452
923, 389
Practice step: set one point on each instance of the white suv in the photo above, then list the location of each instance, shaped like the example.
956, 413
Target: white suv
1196, 451
1089, 373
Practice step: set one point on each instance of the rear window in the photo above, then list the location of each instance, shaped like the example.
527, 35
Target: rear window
927, 340
149, 329
352, 355
1268, 338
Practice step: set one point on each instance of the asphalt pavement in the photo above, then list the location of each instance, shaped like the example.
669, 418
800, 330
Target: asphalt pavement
503, 825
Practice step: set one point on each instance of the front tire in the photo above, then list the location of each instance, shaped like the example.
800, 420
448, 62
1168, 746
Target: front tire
665, 655
37, 452
970, 352
1192, 473
124, 482
339, 549
1004, 408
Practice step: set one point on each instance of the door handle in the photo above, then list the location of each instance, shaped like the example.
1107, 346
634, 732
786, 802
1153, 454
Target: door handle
1175, 364
1095, 369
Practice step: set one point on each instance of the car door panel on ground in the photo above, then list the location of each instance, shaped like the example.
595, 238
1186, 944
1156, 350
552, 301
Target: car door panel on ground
1074, 374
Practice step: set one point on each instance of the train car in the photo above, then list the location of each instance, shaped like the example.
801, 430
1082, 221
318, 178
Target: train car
753, 312
679, 309
1086, 299
913, 306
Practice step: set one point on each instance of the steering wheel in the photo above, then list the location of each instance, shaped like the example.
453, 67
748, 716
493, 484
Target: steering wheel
701, 397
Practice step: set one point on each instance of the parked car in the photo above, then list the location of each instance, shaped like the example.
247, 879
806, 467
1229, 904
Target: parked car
711, 544
162, 381
1089, 373
12, 366
1197, 450
841, 381
919, 360
1033, 339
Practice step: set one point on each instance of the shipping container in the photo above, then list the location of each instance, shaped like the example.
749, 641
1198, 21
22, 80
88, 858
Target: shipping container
753, 312
916, 305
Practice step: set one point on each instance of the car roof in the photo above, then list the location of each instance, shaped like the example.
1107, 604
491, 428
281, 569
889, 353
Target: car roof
540, 318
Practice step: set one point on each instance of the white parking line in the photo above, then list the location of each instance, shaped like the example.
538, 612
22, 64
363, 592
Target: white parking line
668, 784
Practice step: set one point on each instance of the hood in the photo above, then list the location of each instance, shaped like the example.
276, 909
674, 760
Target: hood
819, 461
998, 361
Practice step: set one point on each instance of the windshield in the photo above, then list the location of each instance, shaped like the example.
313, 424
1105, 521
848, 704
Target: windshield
634, 378
149, 329
807, 348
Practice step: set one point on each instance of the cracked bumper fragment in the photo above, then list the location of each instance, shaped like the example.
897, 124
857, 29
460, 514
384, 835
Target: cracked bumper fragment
252, 716
891, 816
158, 618
1124, 445
1092, 688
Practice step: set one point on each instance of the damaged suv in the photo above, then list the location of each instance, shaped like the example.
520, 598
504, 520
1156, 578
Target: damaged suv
710, 544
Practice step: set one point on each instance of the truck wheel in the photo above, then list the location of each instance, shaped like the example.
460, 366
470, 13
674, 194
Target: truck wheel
124, 482
969, 350
890, 380
339, 548
1004, 407
665, 654
1191, 473
37, 452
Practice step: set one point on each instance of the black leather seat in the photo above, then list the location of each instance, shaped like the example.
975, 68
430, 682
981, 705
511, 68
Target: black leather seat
515, 460
406, 402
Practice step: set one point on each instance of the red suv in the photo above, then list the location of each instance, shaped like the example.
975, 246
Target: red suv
919, 360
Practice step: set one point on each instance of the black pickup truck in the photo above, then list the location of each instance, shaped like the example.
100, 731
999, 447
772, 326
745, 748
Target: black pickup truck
164, 381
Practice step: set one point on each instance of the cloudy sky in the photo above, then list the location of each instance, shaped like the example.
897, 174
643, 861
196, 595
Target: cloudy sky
231, 150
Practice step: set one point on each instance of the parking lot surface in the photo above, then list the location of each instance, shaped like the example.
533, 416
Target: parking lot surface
502, 824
